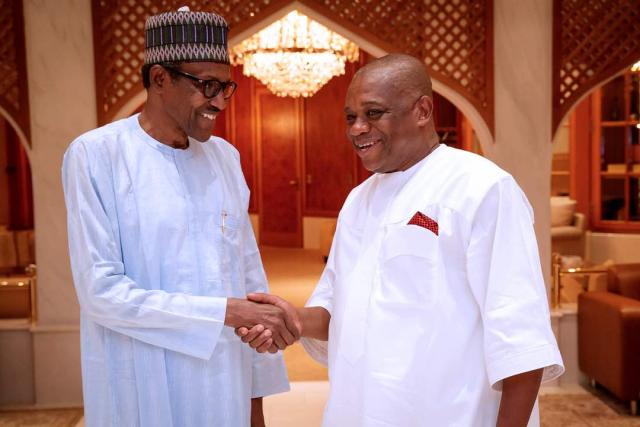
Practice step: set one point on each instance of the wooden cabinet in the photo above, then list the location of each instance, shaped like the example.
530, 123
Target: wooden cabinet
616, 154
16, 297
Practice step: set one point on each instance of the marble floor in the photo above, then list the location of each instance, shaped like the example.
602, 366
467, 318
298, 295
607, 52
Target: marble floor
292, 274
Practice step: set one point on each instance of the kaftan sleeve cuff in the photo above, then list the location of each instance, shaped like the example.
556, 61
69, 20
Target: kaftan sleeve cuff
269, 375
212, 312
318, 350
192, 328
546, 356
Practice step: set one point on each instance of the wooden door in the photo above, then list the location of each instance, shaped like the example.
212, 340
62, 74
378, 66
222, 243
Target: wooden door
279, 141
329, 156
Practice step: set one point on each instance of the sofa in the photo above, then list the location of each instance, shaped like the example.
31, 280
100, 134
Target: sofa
567, 227
609, 334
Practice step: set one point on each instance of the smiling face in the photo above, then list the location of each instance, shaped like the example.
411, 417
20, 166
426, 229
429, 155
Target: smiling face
385, 121
190, 112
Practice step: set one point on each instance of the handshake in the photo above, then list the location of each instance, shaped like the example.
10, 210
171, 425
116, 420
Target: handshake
265, 322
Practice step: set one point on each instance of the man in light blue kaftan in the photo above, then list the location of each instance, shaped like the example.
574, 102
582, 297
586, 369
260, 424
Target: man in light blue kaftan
163, 253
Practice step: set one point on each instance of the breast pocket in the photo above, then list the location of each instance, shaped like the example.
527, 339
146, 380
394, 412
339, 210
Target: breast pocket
409, 268
231, 247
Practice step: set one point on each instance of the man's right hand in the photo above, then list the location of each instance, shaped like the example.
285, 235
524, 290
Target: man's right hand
258, 337
284, 327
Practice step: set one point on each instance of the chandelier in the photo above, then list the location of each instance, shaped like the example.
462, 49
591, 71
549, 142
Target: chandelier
294, 56
636, 66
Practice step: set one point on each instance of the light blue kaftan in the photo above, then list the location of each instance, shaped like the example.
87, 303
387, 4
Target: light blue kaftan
159, 238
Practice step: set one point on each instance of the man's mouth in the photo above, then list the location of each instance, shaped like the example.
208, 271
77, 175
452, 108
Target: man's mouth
208, 116
365, 145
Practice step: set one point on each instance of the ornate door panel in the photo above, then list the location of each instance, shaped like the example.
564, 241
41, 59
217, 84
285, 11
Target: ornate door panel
242, 127
279, 134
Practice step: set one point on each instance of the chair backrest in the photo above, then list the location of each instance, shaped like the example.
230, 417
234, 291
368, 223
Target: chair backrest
624, 279
579, 221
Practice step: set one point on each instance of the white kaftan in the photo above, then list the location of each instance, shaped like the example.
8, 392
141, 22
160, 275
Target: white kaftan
159, 238
424, 326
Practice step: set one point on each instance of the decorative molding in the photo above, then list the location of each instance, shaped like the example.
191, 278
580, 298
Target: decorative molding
455, 39
14, 95
593, 40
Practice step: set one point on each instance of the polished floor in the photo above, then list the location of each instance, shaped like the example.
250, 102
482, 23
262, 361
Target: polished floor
292, 274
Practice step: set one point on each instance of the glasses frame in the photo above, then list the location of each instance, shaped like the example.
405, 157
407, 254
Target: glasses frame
202, 84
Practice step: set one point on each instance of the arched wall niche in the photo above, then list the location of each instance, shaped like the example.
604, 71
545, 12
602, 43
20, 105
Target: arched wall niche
455, 39
593, 42
14, 95
16, 127
590, 90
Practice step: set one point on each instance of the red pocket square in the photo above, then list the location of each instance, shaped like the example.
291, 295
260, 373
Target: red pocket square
421, 220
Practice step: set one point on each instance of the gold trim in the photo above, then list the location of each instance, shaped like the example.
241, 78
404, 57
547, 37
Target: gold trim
559, 272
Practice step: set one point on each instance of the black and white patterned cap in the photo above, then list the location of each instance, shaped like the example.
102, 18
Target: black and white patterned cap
186, 36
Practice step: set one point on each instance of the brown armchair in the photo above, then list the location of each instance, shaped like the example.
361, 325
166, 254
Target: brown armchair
609, 334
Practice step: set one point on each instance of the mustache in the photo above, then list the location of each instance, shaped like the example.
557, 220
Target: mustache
360, 141
211, 109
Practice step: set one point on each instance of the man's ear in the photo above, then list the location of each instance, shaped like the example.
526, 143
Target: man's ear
158, 76
424, 106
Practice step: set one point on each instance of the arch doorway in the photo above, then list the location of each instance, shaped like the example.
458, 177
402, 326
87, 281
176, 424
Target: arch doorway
17, 248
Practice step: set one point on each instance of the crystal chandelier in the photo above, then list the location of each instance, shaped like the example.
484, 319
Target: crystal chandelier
294, 56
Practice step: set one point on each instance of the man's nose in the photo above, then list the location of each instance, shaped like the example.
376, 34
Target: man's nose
359, 127
218, 101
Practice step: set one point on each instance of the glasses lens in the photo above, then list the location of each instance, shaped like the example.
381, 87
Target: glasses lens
212, 88
229, 89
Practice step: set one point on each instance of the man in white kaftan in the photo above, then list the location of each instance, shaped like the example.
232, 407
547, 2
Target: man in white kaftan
424, 326
160, 244
432, 300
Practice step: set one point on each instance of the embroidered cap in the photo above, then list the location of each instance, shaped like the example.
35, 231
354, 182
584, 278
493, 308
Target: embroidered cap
185, 36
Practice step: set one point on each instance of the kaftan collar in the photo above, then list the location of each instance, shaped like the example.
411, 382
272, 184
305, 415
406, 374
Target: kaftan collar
188, 152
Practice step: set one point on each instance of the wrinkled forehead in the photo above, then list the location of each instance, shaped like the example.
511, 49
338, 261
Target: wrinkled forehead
208, 70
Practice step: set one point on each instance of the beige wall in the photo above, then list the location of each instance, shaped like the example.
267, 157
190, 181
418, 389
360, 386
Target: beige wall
523, 54
63, 105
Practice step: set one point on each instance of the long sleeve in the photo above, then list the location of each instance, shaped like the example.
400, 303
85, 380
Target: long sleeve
176, 321
506, 280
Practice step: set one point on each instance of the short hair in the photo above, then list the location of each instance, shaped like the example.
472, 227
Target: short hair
409, 73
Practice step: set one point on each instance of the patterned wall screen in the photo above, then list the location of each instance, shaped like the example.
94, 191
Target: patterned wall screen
14, 96
454, 37
593, 41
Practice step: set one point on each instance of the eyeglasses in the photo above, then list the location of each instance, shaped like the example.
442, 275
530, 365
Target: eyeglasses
209, 88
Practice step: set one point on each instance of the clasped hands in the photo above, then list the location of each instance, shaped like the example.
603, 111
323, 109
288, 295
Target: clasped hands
265, 322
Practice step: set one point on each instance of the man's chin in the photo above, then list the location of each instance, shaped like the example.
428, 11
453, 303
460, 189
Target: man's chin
371, 166
201, 136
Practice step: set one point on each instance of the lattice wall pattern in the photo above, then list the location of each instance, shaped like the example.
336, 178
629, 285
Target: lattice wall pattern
453, 36
594, 40
13, 76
